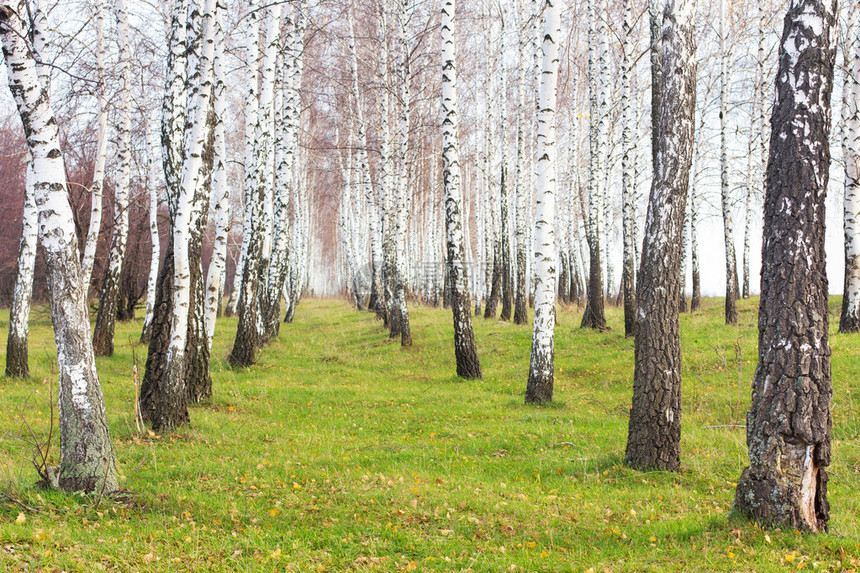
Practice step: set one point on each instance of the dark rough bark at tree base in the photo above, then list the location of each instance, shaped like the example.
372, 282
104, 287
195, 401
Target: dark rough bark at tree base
789, 421
848, 321
507, 294
654, 430
495, 287
17, 363
198, 384
465, 350
394, 323
696, 299
594, 316
161, 411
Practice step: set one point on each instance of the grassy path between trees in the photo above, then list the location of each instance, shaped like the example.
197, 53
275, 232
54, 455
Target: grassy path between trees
341, 452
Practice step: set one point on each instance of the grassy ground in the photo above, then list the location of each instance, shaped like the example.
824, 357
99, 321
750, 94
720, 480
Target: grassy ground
341, 452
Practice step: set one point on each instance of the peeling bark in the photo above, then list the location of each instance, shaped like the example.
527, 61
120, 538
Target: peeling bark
789, 422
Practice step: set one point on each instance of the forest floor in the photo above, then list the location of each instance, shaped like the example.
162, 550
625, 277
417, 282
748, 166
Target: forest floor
340, 451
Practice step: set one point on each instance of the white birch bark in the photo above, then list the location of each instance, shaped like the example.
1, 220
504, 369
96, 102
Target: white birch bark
541, 369
627, 192
86, 455
103, 334
850, 318
96, 190
725, 198
198, 110
402, 179
17, 360
153, 168
465, 352
17, 355
220, 193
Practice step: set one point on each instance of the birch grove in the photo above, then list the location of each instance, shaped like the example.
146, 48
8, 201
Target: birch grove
400, 156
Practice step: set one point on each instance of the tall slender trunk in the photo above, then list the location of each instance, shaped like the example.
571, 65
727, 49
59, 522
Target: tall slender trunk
86, 456
465, 351
696, 296
725, 199
655, 24
628, 266
541, 368
97, 188
109, 295
594, 316
789, 421
654, 432
154, 401
520, 303
153, 166
849, 320
174, 387
402, 183
17, 362
220, 192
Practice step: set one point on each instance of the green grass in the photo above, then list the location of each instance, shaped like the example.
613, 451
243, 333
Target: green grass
341, 452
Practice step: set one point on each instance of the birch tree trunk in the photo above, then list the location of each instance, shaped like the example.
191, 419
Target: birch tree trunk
109, 295
628, 266
97, 188
220, 198
17, 356
655, 23
594, 316
17, 359
849, 320
654, 432
403, 176
86, 456
789, 422
153, 400
247, 340
725, 199
153, 167
198, 381
696, 296
541, 369
520, 302
465, 351
171, 410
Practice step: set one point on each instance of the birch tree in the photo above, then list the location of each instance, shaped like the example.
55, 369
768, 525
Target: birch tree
17, 355
594, 316
541, 369
789, 421
153, 168
654, 432
155, 403
520, 302
628, 266
247, 340
109, 295
86, 456
725, 198
849, 320
402, 178
97, 187
220, 198
465, 351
